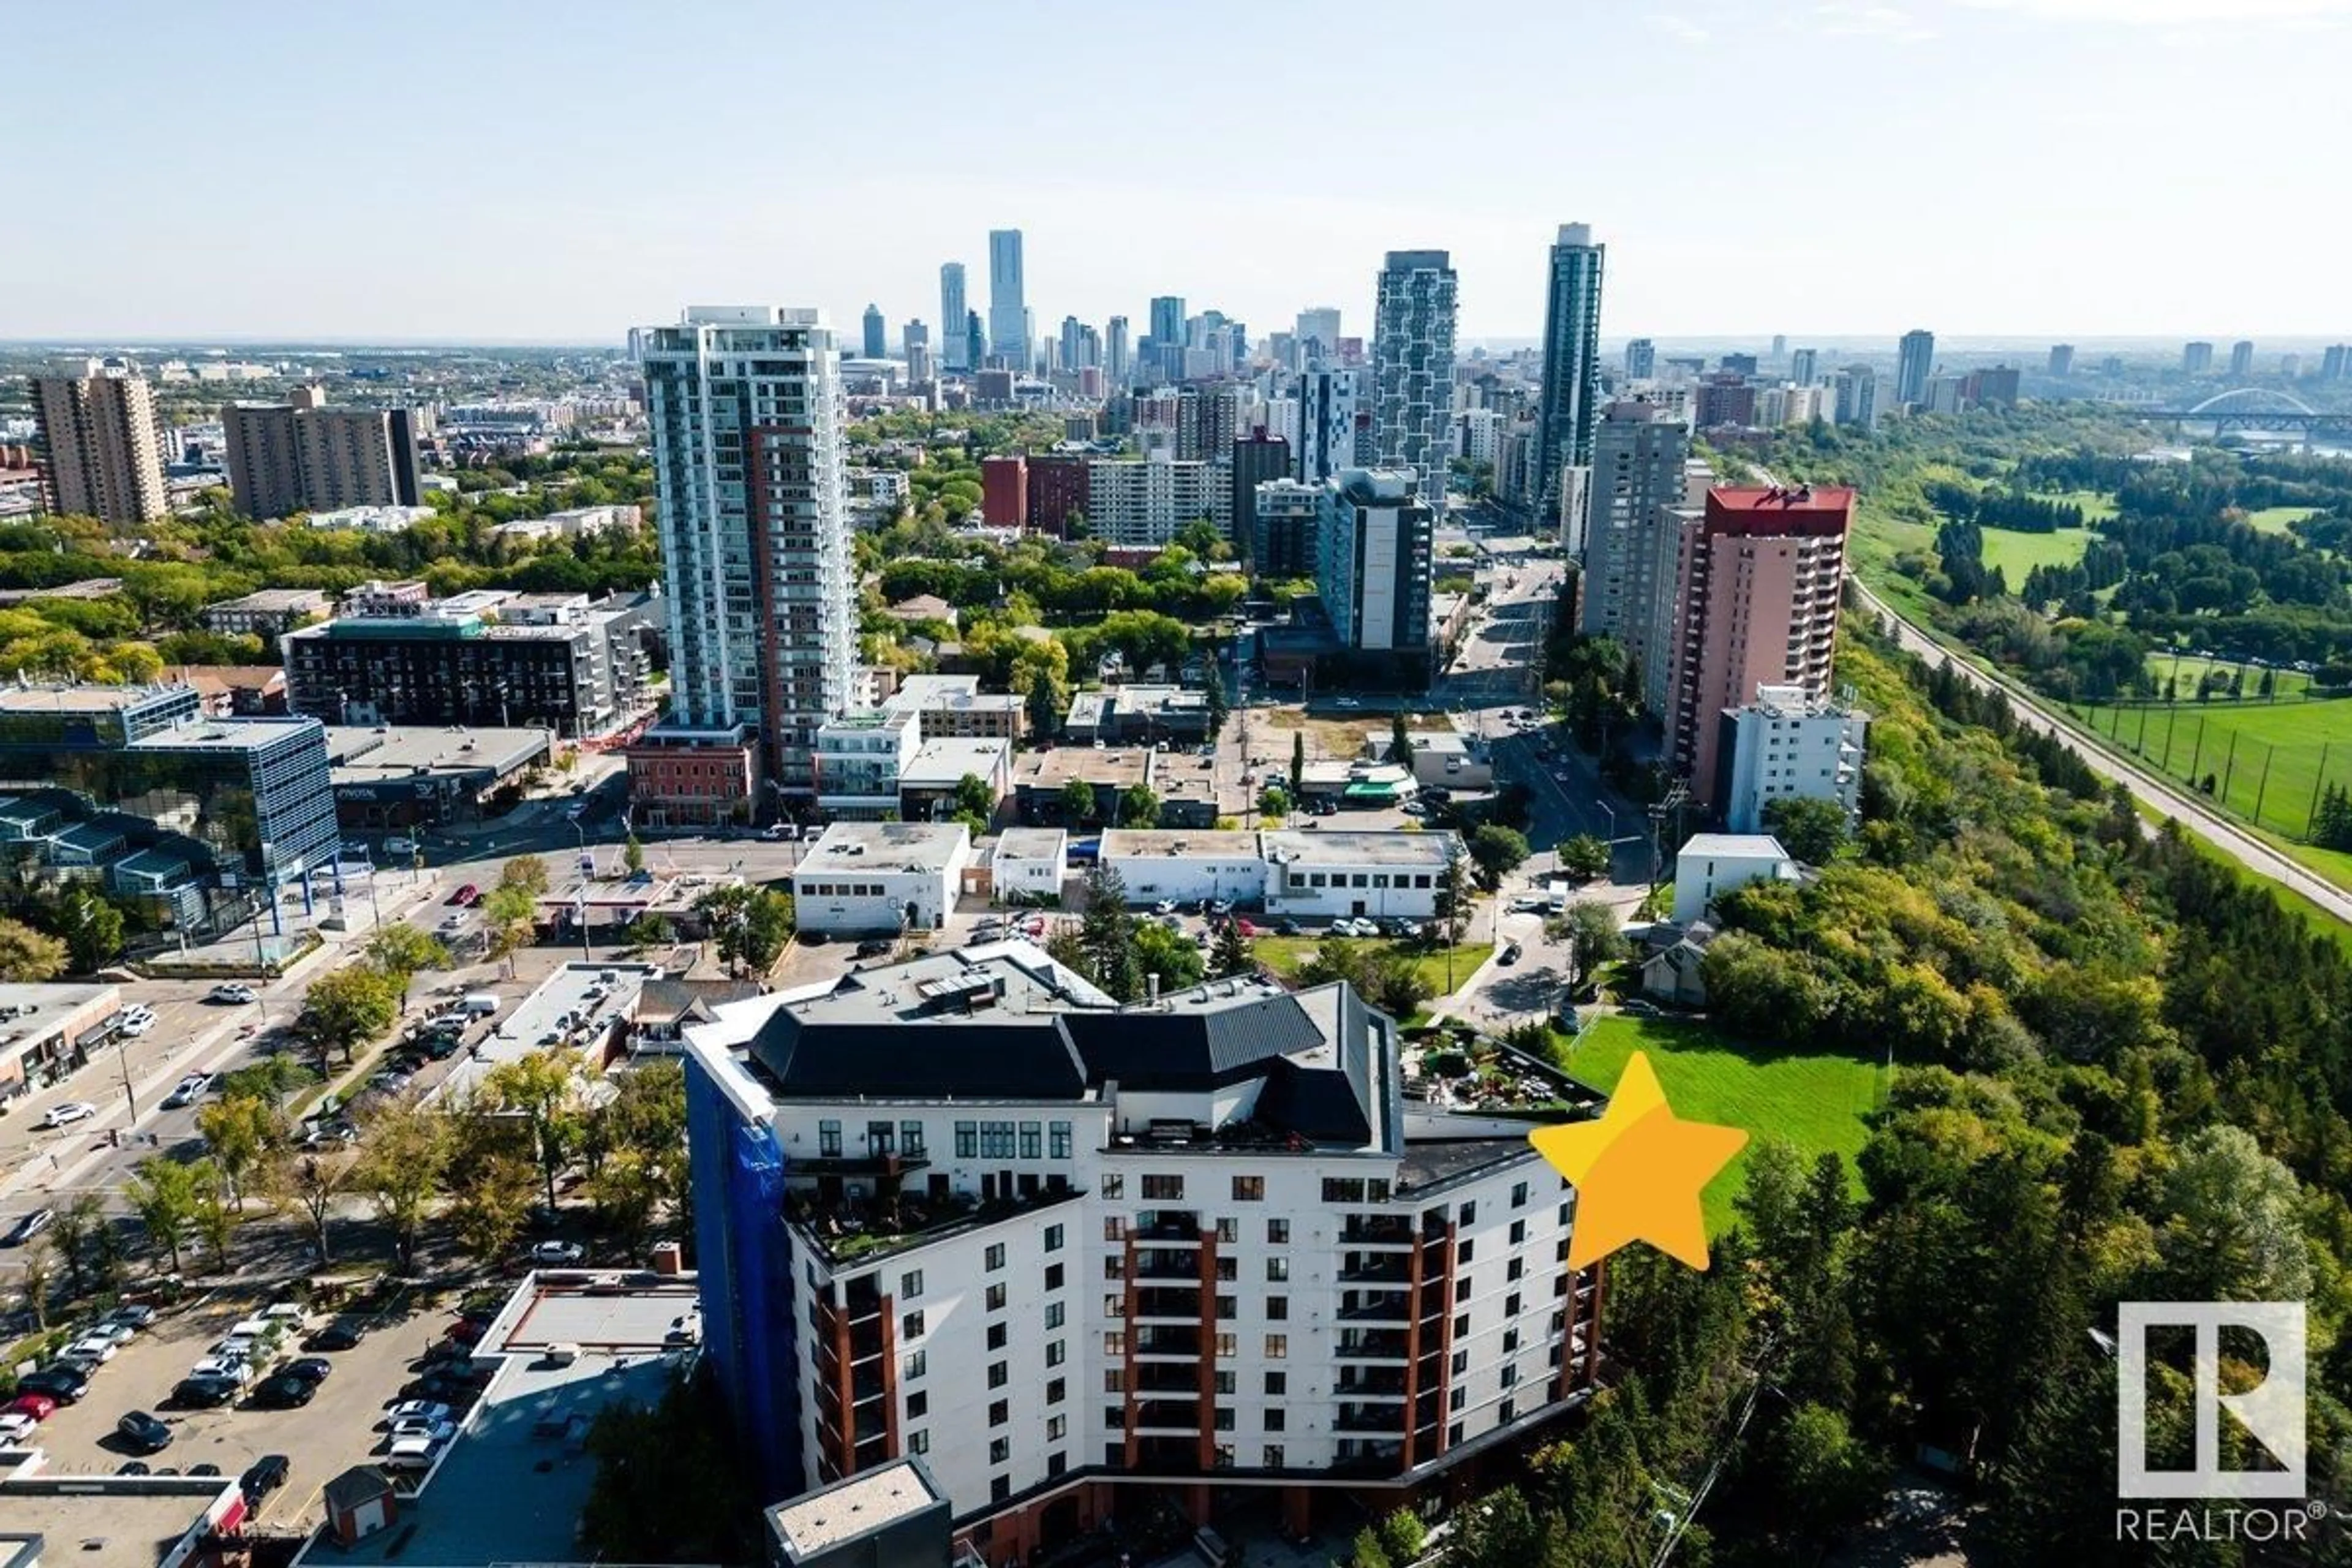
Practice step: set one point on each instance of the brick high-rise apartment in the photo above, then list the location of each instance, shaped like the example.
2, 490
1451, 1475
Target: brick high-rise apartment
302, 456
1760, 580
104, 458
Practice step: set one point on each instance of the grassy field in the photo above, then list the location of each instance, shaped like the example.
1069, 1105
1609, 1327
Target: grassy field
2265, 757
1814, 1101
1283, 955
2018, 554
2187, 669
2275, 518
2098, 505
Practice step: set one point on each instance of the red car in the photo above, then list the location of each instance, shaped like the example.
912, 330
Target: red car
39, 1406
467, 897
1247, 929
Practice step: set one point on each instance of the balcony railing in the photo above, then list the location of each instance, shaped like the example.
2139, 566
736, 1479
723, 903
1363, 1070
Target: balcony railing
1386, 1230
1168, 1343
1380, 1268
1385, 1418
1168, 1415
1372, 1344
1169, 1302
1371, 1380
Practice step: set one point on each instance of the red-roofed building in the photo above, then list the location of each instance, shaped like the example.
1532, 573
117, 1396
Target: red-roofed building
1759, 584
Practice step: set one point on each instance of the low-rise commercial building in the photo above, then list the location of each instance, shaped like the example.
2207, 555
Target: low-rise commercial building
1066, 1252
1446, 758
1128, 715
1030, 865
1326, 876
929, 783
856, 760
888, 1517
268, 612
1186, 867
391, 777
953, 706
872, 878
49, 1031
1709, 865
1041, 778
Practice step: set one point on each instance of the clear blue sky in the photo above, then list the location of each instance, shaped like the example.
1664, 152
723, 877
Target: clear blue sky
1850, 167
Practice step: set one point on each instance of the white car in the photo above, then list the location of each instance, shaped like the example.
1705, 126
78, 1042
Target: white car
400, 846
433, 1432
92, 1348
233, 991
188, 1090
419, 1413
16, 1429
559, 1252
410, 1454
135, 1026
228, 1368
67, 1114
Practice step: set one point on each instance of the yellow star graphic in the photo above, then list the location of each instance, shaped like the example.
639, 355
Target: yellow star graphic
1638, 1172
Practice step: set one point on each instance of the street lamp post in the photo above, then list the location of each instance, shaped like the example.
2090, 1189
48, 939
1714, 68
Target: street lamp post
1612, 812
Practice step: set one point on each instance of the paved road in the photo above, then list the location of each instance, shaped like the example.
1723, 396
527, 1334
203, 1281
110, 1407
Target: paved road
2200, 819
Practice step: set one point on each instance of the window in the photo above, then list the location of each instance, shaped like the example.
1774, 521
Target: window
1225, 1457
1464, 1250
996, 1140
1056, 1428
1229, 1268
917, 1364
1342, 1190
1114, 1185
1510, 1340
1453, 1435
1457, 1399
1518, 1231
1222, 1421
1169, 1189
919, 1442
1226, 1383
1053, 1352
919, 1404
829, 1140
1277, 1309
1511, 1305
1052, 1238
967, 1140
1227, 1307
910, 1284
1277, 1270
1000, 1451
1053, 1277
1273, 1460
1513, 1271
1114, 1418
910, 1140
1278, 1346
1229, 1231
1228, 1346
878, 1135
1249, 1189
1504, 1416
1115, 1343
1000, 1412
1461, 1362
1114, 1267
1462, 1327
1277, 1384
1057, 1140
996, 1298
1277, 1233
1056, 1463
1274, 1420
1053, 1315
1114, 1226
999, 1374
1114, 1380
999, 1487
1470, 1213
910, 1325
1033, 1141
994, 1257
1114, 1306
996, 1336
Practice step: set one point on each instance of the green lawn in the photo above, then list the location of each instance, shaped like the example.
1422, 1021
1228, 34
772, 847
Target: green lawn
2265, 757
2098, 505
2018, 554
1814, 1101
1283, 955
2275, 518
2187, 670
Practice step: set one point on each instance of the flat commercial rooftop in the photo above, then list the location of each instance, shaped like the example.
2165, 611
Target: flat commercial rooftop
1114, 767
849, 1509
1321, 848
109, 1522
361, 753
511, 1486
526, 1026
882, 847
1128, 843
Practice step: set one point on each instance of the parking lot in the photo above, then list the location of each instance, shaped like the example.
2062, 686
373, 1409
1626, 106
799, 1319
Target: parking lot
337, 1429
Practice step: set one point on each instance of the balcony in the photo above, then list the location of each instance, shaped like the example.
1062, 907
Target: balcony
1166, 1378
1376, 1267
1388, 1419
1183, 1343
1166, 1264
1169, 1225
1169, 1302
856, 1228
1384, 1230
1372, 1344
1167, 1416
1376, 1381
1377, 1309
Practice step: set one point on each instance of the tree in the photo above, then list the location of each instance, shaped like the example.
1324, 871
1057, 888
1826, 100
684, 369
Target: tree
1106, 938
214, 1222
1826, 1480
28, 956
975, 801
1455, 900
1593, 939
1139, 807
1169, 954
751, 924
1584, 857
240, 1131
345, 1006
1403, 1537
408, 1148
1229, 954
1298, 764
543, 1089
401, 951
648, 930
528, 872
92, 928
671, 1482
1400, 740
1813, 830
633, 854
72, 1232
490, 1205
163, 1194
1078, 803
1044, 705
314, 1184
1218, 705
1399, 987
2234, 1231
38, 1278
1367, 1552
1497, 852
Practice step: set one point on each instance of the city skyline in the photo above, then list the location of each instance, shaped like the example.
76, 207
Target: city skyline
1822, 236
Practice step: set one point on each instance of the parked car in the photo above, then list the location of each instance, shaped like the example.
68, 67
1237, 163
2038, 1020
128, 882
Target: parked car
188, 1090
400, 846
136, 1027
282, 1391
265, 1476
311, 1369
232, 991
144, 1432
873, 947
1510, 954
340, 1335
560, 1253
15, 1427
467, 897
62, 1381
37, 1407
235, 1371
29, 1226
65, 1114
203, 1469
133, 1468
138, 1314
202, 1393
95, 1349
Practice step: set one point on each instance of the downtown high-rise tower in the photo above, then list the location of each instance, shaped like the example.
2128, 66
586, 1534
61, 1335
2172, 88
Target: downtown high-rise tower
1008, 306
746, 410
952, 339
1413, 367
1571, 372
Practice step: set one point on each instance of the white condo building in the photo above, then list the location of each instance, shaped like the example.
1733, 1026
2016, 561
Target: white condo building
1374, 559
1789, 744
1077, 1255
745, 409
1141, 502
1413, 367
1326, 429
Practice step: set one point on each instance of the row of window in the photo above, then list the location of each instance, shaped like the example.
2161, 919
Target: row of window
998, 1140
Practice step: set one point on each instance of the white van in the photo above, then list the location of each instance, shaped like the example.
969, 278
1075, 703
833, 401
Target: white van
477, 1004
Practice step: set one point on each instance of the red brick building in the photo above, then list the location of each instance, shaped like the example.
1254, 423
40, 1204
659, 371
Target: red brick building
1057, 490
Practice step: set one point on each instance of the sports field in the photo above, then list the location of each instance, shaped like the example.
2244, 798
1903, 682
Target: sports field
2187, 670
1814, 1101
2018, 554
2265, 757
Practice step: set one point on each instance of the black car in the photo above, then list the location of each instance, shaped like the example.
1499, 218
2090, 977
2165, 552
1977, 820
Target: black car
202, 1393
63, 1382
29, 1226
284, 1392
203, 1469
264, 1476
309, 1369
133, 1468
144, 1432
340, 1335
875, 947
1510, 954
